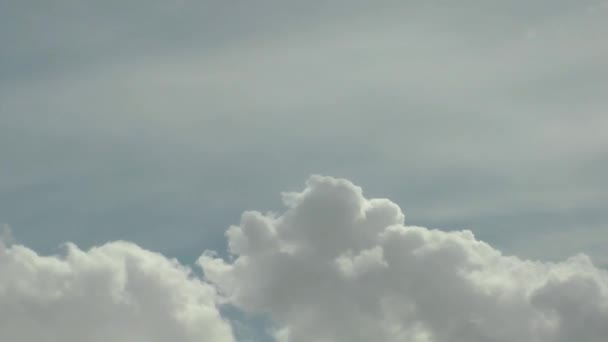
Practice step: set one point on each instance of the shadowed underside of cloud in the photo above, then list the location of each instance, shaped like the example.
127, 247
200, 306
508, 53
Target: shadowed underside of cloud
334, 266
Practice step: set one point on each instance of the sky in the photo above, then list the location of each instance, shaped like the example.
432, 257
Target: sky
137, 133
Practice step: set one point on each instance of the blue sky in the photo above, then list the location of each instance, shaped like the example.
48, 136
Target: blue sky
161, 122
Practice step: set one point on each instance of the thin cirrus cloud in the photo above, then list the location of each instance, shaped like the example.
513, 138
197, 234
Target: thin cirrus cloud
479, 115
333, 266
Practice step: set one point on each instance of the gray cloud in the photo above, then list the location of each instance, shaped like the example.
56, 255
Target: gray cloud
336, 266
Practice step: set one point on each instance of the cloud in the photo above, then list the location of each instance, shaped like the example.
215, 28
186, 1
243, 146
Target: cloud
115, 292
336, 266
243, 75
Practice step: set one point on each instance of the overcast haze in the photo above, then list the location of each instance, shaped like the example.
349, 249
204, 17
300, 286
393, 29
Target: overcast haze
160, 122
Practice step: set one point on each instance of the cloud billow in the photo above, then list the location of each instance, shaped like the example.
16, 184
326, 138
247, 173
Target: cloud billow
115, 292
336, 266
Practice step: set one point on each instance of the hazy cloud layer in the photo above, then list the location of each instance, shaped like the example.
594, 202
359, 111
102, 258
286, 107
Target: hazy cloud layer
115, 292
336, 266
134, 119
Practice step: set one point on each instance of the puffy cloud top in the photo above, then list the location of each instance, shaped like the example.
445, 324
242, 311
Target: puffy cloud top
116, 292
336, 266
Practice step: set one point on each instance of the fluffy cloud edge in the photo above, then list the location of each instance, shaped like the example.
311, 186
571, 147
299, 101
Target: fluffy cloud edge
114, 292
335, 260
334, 266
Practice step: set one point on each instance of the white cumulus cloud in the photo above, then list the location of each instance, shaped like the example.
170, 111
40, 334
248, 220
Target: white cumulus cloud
336, 266
333, 267
115, 292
